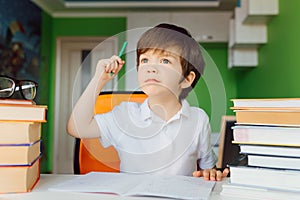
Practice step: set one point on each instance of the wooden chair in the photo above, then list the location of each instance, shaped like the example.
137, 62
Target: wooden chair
90, 155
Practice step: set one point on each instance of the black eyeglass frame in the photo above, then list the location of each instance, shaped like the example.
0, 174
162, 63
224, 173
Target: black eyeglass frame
18, 83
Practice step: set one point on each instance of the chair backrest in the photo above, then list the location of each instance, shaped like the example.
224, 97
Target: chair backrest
228, 152
90, 155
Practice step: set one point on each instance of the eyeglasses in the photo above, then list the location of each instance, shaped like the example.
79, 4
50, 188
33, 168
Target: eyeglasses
9, 85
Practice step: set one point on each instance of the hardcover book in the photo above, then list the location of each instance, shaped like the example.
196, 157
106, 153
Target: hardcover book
267, 103
268, 135
22, 112
15, 132
271, 150
268, 178
19, 154
16, 179
279, 162
268, 117
17, 101
252, 192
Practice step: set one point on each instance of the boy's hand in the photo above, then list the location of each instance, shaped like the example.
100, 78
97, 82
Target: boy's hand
211, 174
107, 69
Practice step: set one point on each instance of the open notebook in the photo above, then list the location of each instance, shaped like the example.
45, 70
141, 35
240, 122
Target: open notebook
179, 187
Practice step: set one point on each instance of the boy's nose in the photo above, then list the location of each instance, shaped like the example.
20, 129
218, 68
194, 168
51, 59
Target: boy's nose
152, 69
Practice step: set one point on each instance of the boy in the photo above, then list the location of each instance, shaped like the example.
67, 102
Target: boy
163, 135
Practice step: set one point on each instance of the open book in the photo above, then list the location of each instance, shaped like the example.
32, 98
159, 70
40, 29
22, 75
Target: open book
179, 187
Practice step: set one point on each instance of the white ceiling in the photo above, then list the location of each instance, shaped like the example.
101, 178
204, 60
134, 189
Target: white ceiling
62, 8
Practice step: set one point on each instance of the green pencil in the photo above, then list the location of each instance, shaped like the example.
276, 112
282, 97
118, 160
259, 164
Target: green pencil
121, 53
123, 48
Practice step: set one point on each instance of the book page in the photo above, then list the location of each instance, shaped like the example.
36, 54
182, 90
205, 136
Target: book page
178, 187
117, 183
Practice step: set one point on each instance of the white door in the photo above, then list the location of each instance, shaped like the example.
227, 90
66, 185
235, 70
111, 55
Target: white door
73, 72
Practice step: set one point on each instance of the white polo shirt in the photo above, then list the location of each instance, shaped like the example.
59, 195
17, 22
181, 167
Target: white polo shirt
148, 144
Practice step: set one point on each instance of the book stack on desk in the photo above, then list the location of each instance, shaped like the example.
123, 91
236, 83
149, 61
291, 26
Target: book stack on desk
268, 132
20, 144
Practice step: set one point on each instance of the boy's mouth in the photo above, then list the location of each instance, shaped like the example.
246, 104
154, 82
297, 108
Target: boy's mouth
152, 80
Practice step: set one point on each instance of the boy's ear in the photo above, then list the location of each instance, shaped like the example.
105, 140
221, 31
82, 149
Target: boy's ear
187, 82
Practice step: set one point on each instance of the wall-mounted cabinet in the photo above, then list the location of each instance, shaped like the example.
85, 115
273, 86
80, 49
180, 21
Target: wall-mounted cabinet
204, 26
208, 27
248, 31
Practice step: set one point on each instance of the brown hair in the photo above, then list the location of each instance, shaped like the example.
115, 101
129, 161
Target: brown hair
164, 36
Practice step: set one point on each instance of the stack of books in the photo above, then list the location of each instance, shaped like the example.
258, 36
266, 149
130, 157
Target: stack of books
268, 132
20, 144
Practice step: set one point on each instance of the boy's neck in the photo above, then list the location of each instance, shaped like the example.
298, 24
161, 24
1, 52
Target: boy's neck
164, 107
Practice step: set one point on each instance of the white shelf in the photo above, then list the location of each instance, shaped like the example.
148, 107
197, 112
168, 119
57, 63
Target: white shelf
248, 31
246, 34
259, 11
242, 57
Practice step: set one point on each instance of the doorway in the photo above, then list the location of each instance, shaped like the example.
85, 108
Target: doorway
76, 59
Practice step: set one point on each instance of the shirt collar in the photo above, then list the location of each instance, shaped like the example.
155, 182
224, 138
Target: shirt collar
146, 112
185, 109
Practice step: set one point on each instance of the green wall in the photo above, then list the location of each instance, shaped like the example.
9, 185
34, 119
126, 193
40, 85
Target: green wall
51, 29
46, 90
279, 60
217, 86
212, 93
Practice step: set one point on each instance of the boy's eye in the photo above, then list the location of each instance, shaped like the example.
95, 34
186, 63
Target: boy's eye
165, 61
144, 60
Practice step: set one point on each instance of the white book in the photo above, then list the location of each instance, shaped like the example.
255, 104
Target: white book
178, 187
268, 135
270, 150
278, 179
274, 162
268, 103
240, 191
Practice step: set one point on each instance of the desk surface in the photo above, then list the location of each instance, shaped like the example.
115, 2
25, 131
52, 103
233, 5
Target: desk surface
41, 191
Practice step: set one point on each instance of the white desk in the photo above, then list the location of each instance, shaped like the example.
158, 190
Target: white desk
41, 191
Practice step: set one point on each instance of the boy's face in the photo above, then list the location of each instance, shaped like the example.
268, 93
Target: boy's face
160, 72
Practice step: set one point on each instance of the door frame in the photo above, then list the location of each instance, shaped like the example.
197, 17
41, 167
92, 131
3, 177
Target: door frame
84, 43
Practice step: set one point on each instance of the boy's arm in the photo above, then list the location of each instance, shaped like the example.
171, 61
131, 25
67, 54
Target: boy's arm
82, 123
